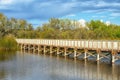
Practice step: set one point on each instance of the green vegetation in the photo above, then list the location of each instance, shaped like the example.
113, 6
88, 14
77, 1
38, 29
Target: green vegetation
8, 43
59, 29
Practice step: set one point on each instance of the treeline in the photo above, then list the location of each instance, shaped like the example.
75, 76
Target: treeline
59, 29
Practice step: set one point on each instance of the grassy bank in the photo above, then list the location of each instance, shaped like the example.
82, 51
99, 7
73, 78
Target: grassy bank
8, 43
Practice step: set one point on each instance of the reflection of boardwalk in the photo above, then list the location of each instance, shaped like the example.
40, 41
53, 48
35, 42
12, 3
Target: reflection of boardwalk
98, 49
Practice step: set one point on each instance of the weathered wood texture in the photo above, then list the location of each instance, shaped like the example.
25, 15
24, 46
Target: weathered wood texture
80, 44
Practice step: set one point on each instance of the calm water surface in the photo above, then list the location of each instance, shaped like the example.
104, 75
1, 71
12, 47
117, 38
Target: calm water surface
26, 66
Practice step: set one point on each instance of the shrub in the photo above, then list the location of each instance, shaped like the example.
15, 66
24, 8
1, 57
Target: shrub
8, 43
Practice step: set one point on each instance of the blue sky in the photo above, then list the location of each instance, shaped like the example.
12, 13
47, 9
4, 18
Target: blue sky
40, 11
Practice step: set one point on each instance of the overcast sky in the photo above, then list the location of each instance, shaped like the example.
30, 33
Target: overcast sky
40, 11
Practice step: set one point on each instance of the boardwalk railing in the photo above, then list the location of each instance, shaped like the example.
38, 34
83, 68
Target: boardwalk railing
86, 44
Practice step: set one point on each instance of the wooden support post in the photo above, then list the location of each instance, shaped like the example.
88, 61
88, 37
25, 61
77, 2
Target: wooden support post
113, 56
98, 70
24, 48
44, 50
39, 48
65, 53
85, 54
75, 52
58, 50
98, 55
51, 49
29, 48
18, 46
34, 48
21, 47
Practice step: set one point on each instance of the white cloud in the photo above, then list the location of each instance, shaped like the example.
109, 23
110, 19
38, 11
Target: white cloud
105, 4
112, 17
101, 20
87, 3
98, 16
108, 23
102, 16
71, 15
92, 11
11, 2
79, 23
115, 14
94, 16
82, 22
5, 2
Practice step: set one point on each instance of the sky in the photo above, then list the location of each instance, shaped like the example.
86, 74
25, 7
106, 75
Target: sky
38, 12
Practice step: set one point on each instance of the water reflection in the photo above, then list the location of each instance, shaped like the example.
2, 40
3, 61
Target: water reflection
5, 55
25, 66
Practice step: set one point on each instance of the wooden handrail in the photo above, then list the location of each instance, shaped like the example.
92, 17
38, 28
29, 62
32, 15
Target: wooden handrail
89, 44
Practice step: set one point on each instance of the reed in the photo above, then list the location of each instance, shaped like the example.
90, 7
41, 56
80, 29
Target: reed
8, 43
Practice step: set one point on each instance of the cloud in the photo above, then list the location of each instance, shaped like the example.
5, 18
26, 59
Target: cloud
82, 22
42, 10
71, 15
106, 4
101, 20
115, 14
5, 2
101, 16
108, 22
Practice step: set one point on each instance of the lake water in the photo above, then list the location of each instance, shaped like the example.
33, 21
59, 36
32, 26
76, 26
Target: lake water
27, 66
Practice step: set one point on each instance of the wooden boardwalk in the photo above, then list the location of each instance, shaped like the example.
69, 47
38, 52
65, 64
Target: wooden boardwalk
75, 47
